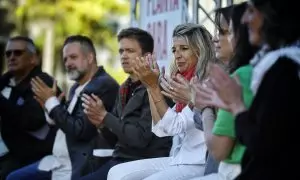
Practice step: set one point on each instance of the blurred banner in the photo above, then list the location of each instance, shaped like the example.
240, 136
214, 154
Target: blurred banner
160, 18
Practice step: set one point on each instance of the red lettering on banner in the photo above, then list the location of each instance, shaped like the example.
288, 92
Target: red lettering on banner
155, 7
174, 5
159, 32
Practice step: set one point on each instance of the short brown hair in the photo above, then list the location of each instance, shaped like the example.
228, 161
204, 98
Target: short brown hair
144, 38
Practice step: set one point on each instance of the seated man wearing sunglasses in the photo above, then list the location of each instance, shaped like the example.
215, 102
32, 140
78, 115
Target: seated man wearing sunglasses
25, 137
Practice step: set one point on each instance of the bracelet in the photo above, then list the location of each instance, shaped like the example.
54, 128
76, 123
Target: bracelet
157, 101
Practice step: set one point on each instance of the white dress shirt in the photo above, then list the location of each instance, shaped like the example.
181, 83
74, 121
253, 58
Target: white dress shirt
188, 142
59, 162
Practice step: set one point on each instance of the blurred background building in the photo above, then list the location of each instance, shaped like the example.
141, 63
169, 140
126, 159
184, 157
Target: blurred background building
49, 22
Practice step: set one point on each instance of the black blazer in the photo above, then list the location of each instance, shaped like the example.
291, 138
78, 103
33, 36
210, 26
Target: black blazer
80, 133
22, 114
269, 129
133, 127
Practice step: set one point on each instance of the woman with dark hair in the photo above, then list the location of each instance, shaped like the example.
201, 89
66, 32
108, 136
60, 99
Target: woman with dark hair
221, 140
268, 128
238, 39
220, 39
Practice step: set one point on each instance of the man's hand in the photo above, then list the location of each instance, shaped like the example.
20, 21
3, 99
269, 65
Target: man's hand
94, 109
43, 92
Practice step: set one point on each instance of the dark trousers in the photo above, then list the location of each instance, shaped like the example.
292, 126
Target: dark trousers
29, 172
8, 164
101, 173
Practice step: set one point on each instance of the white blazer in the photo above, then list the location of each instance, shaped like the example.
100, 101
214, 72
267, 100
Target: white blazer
188, 142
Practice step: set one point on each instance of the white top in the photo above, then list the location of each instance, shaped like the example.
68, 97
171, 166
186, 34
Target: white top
269, 60
188, 142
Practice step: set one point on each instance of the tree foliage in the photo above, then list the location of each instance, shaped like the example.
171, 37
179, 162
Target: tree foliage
96, 19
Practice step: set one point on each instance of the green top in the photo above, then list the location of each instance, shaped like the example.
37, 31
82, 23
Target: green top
224, 124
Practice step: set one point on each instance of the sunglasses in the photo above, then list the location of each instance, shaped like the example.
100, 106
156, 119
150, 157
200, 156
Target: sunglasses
16, 52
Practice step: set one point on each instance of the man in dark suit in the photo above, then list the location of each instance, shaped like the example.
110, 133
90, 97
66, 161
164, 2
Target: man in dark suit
131, 119
25, 135
75, 139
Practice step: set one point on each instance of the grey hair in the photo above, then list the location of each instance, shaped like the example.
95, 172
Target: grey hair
31, 48
29, 43
200, 41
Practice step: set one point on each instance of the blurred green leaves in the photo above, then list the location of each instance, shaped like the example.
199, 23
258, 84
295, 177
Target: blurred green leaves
94, 18
97, 19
